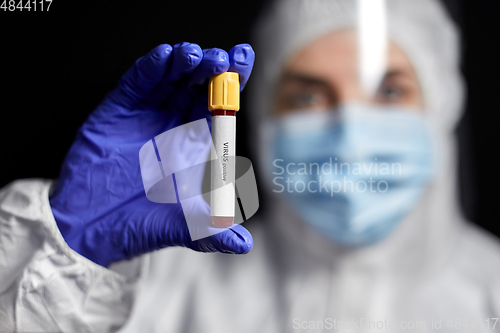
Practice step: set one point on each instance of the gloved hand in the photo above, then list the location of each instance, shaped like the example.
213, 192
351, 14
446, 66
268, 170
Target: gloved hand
99, 202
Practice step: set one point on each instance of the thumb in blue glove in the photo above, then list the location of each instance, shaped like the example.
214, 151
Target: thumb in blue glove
99, 202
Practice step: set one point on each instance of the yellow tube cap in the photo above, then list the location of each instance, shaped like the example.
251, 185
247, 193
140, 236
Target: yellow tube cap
224, 92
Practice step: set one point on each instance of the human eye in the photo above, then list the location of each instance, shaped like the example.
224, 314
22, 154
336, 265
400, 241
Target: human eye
399, 88
305, 100
292, 97
391, 93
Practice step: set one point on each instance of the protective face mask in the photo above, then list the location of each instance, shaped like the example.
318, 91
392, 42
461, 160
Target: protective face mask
352, 173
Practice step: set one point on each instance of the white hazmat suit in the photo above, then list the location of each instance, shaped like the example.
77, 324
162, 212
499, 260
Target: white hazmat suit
433, 271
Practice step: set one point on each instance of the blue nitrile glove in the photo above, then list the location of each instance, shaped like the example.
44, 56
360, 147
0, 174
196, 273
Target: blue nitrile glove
99, 202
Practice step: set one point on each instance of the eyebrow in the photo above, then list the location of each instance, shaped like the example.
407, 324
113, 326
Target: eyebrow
394, 73
304, 78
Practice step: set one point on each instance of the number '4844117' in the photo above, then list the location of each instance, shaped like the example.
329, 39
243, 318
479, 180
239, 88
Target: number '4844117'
26, 5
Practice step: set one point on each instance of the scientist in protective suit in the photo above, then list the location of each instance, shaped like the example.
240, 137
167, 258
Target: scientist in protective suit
354, 108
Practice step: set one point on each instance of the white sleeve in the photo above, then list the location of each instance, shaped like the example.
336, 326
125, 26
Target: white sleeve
45, 286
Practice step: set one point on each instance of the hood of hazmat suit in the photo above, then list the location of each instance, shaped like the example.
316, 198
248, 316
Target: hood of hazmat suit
434, 271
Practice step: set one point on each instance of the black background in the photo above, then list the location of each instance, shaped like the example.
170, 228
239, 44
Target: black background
56, 66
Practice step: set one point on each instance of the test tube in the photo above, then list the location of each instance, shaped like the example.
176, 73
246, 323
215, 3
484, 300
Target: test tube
223, 102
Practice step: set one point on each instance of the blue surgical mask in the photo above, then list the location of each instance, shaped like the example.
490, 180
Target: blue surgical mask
352, 173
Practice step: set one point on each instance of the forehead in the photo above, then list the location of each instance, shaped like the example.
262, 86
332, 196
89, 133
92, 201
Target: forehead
336, 55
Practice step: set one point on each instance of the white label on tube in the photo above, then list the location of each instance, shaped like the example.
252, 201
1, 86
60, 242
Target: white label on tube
222, 195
